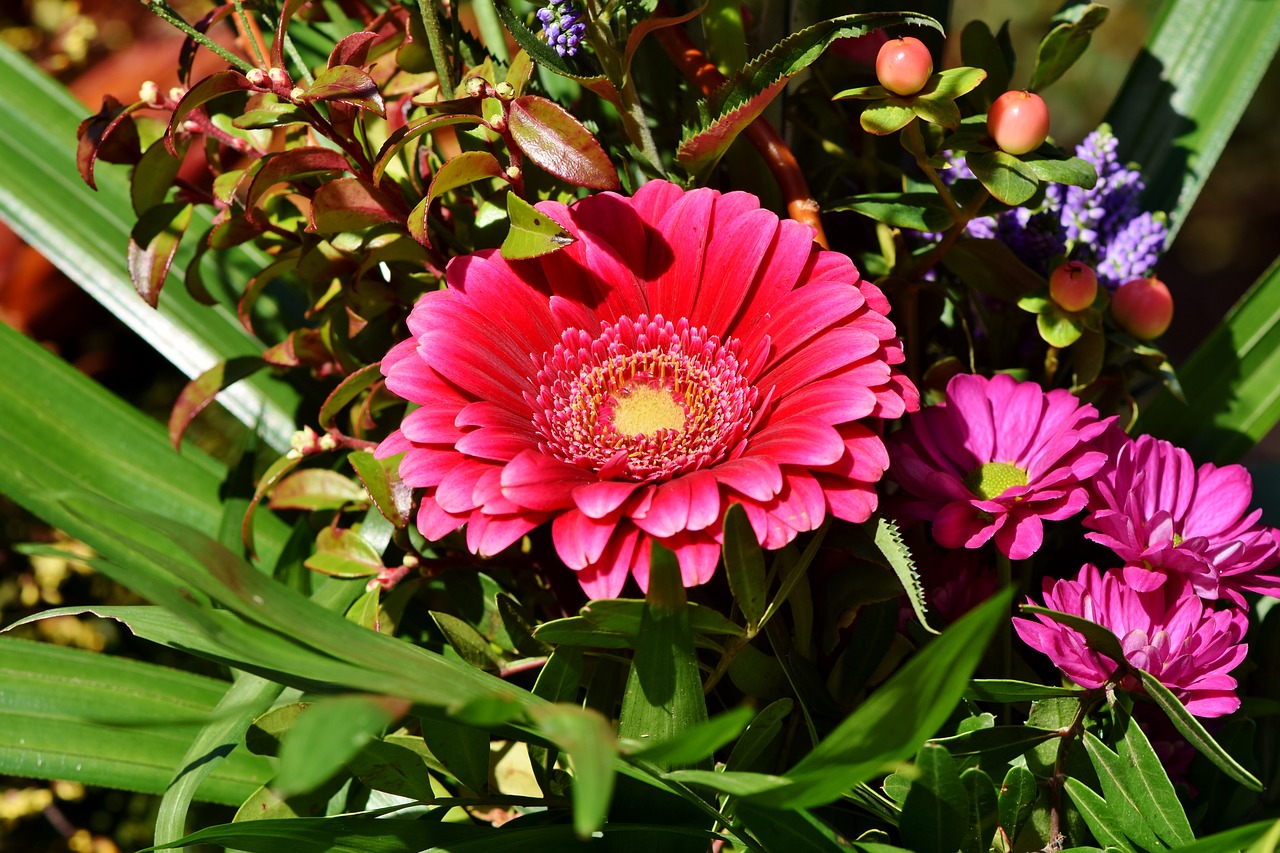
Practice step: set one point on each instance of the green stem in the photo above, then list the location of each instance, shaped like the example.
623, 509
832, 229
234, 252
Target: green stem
296, 58
435, 39
248, 28
1005, 569
163, 11
491, 31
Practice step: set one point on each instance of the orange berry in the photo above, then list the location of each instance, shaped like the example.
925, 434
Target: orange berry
1018, 122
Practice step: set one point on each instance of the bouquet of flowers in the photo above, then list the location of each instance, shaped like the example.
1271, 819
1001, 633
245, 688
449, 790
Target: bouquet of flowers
653, 425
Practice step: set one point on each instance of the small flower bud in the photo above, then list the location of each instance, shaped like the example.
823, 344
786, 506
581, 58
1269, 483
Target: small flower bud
327, 442
177, 93
505, 90
514, 173
149, 93
191, 126
279, 79
475, 87
296, 93
257, 77
498, 123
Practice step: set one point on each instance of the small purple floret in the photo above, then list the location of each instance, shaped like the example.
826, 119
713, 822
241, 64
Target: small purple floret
563, 27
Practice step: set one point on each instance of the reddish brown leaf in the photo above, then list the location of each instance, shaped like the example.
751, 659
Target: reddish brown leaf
270, 477
287, 11
201, 391
642, 29
558, 142
402, 137
292, 164
346, 84
152, 245
350, 204
347, 391
703, 150
213, 86
154, 176
110, 135
352, 50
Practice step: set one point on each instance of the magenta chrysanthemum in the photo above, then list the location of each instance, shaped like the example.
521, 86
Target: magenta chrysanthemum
1163, 516
1173, 636
996, 459
688, 351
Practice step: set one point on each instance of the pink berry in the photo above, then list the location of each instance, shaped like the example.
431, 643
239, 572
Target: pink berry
904, 65
1073, 285
1018, 122
1143, 307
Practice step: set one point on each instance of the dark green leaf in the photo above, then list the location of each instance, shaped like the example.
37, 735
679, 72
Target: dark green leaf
545, 56
533, 233
793, 831
459, 171
390, 766
1123, 797
1098, 638
989, 266
1017, 799
467, 642
744, 565
936, 806
327, 734
980, 49
462, 749
1156, 797
153, 177
1072, 170
984, 812
759, 735
1235, 839
996, 745
1097, 815
1006, 177
1194, 732
558, 142
919, 211
587, 738
342, 834
664, 689
348, 389
1065, 44
1186, 91
1007, 690
698, 742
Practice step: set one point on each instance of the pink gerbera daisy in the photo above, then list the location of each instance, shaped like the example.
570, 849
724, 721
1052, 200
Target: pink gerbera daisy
1189, 647
688, 351
996, 459
1163, 516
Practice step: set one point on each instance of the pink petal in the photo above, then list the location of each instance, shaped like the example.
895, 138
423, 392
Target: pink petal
488, 535
755, 477
797, 441
580, 540
541, 483
597, 500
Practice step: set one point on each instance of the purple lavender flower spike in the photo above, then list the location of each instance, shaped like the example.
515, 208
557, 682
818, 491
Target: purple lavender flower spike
562, 26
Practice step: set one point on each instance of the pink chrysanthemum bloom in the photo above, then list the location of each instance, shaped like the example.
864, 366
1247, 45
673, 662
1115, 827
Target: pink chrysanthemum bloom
1189, 647
996, 459
1163, 516
688, 351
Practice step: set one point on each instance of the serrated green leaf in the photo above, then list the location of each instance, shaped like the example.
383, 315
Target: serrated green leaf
1186, 91
888, 539
1065, 44
533, 233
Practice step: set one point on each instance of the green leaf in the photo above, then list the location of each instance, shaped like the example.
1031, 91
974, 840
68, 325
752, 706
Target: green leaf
1194, 732
980, 49
1069, 170
744, 565
587, 738
153, 177
389, 766
1186, 91
1123, 797
996, 744
1098, 638
664, 688
793, 831
889, 540
953, 83
467, 642
316, 488
458, 171
63, 432
1006, 177
886, 116
346, 84
1231, 840
84, 234
1058, 328
1232, 400
533, 233
1097, 815
381, 480
984, 812
918, 211
558, 142
1157, 800
898, 717
88, 717
344, 553
1017, 799
327, 734
342, 834
697, 742
759, 735
462, 749
1008, 690
1065, 44
990, 267
936, 805
348, 389
546, 57
397, 141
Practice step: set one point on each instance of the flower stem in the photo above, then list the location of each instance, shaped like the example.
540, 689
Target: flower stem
435, 40
161, 9
250, 33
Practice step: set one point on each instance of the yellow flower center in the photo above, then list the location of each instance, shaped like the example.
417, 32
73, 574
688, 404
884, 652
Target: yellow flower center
993, 479
643, 410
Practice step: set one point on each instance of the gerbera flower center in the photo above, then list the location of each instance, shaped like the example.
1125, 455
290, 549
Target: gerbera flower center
643, 399
993, 479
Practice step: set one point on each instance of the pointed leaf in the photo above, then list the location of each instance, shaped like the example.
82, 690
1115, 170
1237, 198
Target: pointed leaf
533, 233
984, 812
152, 245
1156, 797
1006, 177
1008, 690
290, 165
316, 488
918, 211
462, 749
381, 479
558, 142
467, 642
351, 204
546, 57
1017, 799
213, 86
1065, 44
1097, 815
153, 177
744, 565
346, 84
886, 116
587, 738
1123, 797
698, 742
889, 540
936, 806
459, 171
201, 391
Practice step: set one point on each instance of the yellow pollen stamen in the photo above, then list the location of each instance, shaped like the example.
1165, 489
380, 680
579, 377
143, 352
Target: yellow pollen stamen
642, 410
